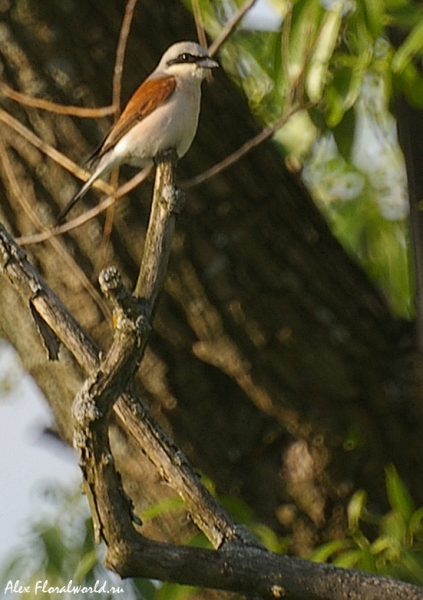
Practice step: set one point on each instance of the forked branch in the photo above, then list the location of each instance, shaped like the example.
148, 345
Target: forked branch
238, 563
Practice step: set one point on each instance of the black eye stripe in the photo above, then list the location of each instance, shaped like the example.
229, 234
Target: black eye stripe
185, 58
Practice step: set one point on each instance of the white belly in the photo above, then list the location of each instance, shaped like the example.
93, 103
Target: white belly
172, 125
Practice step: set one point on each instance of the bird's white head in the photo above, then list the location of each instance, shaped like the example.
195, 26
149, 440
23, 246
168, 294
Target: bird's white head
186, 59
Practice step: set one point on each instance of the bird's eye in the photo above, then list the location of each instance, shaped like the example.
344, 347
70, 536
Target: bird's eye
185, 57
188, 58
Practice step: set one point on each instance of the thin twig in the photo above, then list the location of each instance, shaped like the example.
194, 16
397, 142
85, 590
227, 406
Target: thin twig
286, 29
116, 104
54, 107
89, 214
20, 198
229, 27
51, 152
120, 56
79, 112
201, 34
242, 151
12, 187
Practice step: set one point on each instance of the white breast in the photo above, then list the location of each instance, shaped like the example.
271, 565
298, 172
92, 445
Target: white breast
172, 125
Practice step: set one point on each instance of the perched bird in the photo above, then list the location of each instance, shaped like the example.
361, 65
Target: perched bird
162, 114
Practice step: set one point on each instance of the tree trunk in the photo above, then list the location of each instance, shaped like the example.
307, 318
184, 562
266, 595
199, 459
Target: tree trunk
275, 364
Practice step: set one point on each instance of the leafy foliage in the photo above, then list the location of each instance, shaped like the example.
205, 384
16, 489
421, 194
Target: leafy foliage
337, 54
61, 548
60, 551
397, 548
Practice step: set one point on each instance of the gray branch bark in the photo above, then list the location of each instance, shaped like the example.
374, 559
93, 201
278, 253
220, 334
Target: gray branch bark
261, 307
238, 563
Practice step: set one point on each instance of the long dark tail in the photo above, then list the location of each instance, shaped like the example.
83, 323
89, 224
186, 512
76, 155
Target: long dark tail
102, 168
72, 203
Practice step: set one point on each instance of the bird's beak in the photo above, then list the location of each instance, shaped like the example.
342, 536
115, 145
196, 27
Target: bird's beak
208, 63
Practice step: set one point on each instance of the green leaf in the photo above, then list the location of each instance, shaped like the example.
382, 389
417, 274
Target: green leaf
295, 43
381, 544
173, 591
317, 72
359, 39
398, 495
343, 133
415, 522
55, 550
239, 509
402, 14
306, 18
356, 508
394, 527
344, 90
159, 508
145, 588
413, 563
367, 562
373, 11
268, 538
86, 566
412, 45
335, 106
410, 82
348, 559
326, 551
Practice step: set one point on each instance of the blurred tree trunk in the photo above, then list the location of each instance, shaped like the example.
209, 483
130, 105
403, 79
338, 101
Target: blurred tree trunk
275, 364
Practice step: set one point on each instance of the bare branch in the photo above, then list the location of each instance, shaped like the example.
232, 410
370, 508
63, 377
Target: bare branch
171, 464
243, 150
51, 152
120, 55
32, 287
227, 30
166, 205
201, 34
57, 245
238, 565
89, 214
61, 109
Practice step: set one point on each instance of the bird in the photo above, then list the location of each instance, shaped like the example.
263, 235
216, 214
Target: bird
162, 114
